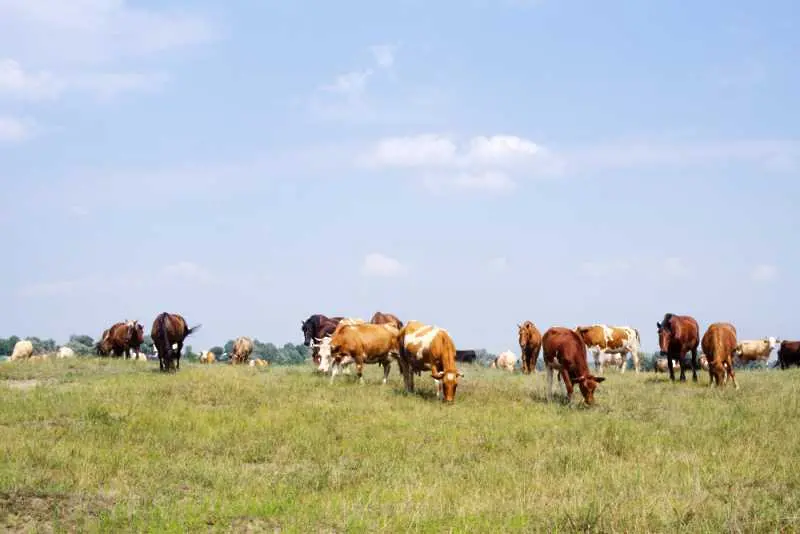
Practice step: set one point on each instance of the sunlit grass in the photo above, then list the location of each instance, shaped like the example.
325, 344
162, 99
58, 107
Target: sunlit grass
97, 444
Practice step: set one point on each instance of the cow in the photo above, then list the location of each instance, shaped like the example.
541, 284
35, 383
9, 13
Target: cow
718, 344
326, 363
703, 360
65, 352
755, 350
505, 360
318, 326
242, 349
23, 350
662, 366
677, 335
102, 347
466, 356
258, 362
611, 340
365, 343
386, 318
530, 341
168, 332
207, 357
564, 351
428, 347
789, 354
121, 338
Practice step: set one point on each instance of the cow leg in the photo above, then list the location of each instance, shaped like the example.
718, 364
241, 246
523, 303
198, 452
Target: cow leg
567, 383
732, 375
334, 370
386, 366
598, 367
550, 373
360, 370
635, 356
694, 364
682, 367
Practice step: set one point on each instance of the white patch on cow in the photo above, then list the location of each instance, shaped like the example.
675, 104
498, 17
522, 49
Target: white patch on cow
423, 340
630, 344
450, 376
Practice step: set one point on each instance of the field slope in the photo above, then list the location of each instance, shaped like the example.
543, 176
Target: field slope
99, 445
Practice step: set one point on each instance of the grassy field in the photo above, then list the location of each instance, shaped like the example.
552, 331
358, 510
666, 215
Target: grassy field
99, 445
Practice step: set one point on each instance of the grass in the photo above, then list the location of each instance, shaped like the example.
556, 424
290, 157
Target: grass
108, 445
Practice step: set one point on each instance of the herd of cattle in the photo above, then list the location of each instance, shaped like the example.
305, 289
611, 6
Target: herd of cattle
337, 342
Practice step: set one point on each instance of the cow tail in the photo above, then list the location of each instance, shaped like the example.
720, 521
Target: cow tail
163, 333
193, 329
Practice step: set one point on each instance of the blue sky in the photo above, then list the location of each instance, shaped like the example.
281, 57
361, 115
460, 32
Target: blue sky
471, 164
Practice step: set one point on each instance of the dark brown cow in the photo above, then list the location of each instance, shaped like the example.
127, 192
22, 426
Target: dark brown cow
386, 318
318, 326
719, 343
170, 329
563, 350
789, 354
121, 338
677, 335
530, 341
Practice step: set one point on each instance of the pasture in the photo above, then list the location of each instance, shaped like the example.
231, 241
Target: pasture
100, 444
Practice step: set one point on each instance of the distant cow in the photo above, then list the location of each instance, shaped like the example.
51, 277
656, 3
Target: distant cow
65, 352
505, 360
168, 332
121, 338
466, 356
318, 326
530, 342
242, 349
611, 340
661, 365
386, 318
23, 350
718, 344
789, 354
258, 362
564, 351
207, 357
755, 350
677, 335
365, 343
427, 347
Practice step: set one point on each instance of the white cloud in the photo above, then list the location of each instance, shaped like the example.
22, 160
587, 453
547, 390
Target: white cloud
501, 147
378, 265
13, 130
764, 273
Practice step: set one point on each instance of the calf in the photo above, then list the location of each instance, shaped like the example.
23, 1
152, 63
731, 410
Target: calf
789, 354
718, 344
564, 351
424, 347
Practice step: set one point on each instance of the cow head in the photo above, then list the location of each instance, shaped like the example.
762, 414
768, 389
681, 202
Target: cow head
773, 342
588, 383
449, 383
664, 337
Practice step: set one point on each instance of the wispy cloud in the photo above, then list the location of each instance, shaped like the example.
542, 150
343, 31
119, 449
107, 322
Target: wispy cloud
380, 265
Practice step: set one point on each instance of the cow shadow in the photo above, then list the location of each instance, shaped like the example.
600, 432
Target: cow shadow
425, 394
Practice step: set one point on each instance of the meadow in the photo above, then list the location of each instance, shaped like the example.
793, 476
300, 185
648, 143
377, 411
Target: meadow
90, 444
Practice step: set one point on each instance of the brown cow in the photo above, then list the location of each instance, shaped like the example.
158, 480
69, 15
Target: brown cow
530, 341
365, 343
318, 326
169, 329
677, 335
611, 341
121, 338
386, 318
242, 349
563, 350
789, 354
718, 344
425, 347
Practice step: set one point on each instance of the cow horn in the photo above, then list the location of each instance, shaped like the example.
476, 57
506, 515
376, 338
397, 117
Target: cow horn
438, 376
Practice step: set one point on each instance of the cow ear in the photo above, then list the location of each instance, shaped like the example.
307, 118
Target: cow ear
658, 325
598, 378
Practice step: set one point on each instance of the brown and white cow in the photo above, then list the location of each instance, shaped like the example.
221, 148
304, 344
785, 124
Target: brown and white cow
428, 347
207, 357
661, 365
755, 350
718, 344
530, 342
121, 338
611, 340
365, 344
386, 318
242, 349
564, 351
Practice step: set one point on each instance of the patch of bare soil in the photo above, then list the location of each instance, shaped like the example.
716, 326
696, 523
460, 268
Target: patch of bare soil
23, 384
38, 512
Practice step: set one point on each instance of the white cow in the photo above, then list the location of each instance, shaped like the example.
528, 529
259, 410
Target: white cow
754, 350
65, 352
23, 349
505, 360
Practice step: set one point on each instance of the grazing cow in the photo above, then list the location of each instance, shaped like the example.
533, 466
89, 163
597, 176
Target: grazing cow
365, 343
530, 341
326, 363
611, 340
121, 338
718, 344
207, 357
505, 360
386, 318
703, 360
242, 349
661, 365
65, 352
789, 354
677, 335
318, 326
23, 350
168, 332
564, 351
426, 347
466, 356
258, 362
755, 350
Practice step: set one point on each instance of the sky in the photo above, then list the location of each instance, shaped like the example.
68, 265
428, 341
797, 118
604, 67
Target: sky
471, 164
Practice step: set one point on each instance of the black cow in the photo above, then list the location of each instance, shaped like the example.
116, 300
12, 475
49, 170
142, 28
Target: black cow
789, 354
466, 356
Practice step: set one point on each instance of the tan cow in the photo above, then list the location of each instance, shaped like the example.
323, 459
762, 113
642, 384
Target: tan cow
427, 347
207, 357
662, 366
505, 360
530, 342
258, 362
365, 344
718, 344
23, 350
751, 350
242, 349
603, 339
65, 352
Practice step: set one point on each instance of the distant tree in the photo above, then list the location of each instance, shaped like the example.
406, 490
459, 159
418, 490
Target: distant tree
7, 345
82, 345
147, 346
189, 354
217, 350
